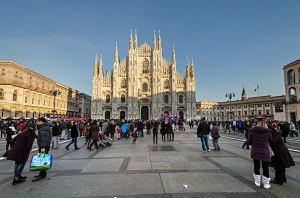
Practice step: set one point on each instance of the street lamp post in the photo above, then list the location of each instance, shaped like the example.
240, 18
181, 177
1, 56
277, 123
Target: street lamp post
54, 93
230, 96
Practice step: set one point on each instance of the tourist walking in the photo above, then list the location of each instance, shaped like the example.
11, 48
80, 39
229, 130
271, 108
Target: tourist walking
44, 138
56, 131
74, 136
259, 139
215, 136
68, 129
10, 131
203, 132
247, 127
282, 158
21, 146
95, 135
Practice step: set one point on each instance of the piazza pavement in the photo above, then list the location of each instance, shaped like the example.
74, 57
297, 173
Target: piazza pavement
176, 169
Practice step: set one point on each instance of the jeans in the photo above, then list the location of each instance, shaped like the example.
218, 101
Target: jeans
74, 140
265, 167
141, 133
19, 166
55, 142
204, 141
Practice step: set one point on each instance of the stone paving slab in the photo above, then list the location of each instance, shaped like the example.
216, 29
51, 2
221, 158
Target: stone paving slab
161, 165
103, 165
120, 184
69, 164
202, 182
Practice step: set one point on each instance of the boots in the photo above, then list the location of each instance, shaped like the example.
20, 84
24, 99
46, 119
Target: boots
266, 182
257, 179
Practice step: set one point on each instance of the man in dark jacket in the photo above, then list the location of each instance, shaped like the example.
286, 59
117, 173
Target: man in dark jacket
44, 138
285, 129
202, 132
74, 136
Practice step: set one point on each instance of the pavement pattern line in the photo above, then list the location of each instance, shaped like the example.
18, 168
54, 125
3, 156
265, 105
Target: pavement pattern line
241, 179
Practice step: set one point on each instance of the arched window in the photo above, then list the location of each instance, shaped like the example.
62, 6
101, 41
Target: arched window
291, 77
292, 94
166, 99
107, 98
145, 87
15, 95
145, 66
180, 98
122, 98
166, 84
123, 83
1, 94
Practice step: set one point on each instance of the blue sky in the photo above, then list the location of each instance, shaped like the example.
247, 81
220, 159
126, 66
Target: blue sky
233, 42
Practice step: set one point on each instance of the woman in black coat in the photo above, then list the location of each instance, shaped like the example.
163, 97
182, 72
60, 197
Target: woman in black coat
163, 131
21, 147
282, 158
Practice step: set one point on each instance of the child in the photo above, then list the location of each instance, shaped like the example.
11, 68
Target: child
134, 135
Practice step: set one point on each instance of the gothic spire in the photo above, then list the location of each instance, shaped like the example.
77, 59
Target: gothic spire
159, 41
154, 40
173, 55
130, 40
135, 41
96, 65
116, 56
100, 65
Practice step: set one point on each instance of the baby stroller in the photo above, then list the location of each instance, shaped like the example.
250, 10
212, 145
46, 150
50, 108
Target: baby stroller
104, 140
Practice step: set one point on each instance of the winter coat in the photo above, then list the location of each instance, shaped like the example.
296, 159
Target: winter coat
140, 126
215, 132
163, 129
44, 136
9, 132
56, 131
203, 129
95, 132
74, 131
285, 128
259, 138
169, 128
21, 146
282, 157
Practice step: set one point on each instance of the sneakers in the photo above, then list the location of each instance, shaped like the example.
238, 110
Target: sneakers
204, 151
76, 148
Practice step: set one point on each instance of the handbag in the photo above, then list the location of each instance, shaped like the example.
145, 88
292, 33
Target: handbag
41, 162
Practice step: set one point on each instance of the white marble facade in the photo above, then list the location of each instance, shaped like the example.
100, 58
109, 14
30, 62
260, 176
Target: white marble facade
143, 85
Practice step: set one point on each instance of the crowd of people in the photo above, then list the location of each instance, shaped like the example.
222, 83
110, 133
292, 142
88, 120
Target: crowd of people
267, 140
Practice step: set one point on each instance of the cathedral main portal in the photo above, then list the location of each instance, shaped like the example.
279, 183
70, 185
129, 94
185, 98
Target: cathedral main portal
144, 113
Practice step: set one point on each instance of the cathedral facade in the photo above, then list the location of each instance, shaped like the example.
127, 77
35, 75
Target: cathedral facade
143, 85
